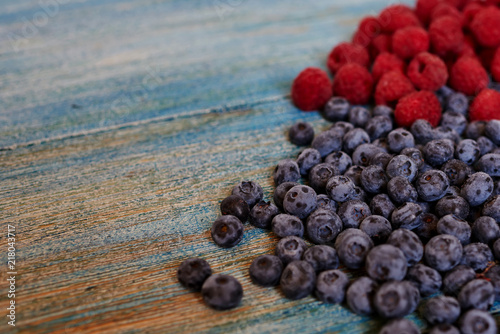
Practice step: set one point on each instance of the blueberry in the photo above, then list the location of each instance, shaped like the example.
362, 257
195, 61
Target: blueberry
354, 173
400, 139
409, 243
341, 161
395, 299
374, 179
432, 185
405, 216
475, 129
323, 226
477, 322
250, 191
442, 132
444, 93
455, 279
486, 230
353, 212
327, 142
265, 270
354, 138
438, 151
477, 256
402, 165
458, 102
422, 131
280, 192
426, 279
262, 214
336, 109
485, 145
236, 206
490, 164
378, 126
377, 228
443, 252
427, 226
454, 120
300, 201
478, 294
382, 110
222, 292
307, 159
301, 133
359, 194
227, 231
358, 116
441, 310
382, 205
331, 286
386, 262
298, 280
359, 295
492, 208
400, 326
455, 205
467, 151
493, 275
284, 225
287, 170
324, 202
192, 273
477, 188
496, 249
340, 188
415, 154
342, 127
382, 144
455, 226
492, 131
364, 153
321, 257
319, 176
444, 329
381, 159
457, 171
290, 249
401, 190
352, 246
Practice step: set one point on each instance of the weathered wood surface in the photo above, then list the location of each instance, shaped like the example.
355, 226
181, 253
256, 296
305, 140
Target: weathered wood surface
123, 125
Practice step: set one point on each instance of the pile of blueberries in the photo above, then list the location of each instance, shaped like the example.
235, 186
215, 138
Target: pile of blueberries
418, 209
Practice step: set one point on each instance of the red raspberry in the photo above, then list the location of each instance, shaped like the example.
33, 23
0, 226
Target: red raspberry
445, 9
486, 27
391, 87
468, 76
418, 105
381, 43
424, 9
446, 35
470, 11
485, 106
368, 29
347, 53
353, 82
386, 62
495, 66
311, 89
427, 72
410, 41
396, 17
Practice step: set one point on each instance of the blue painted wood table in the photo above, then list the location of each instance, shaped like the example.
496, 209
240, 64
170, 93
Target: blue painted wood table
123, 123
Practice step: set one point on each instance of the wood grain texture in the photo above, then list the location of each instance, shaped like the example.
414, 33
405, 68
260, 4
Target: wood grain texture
108, 203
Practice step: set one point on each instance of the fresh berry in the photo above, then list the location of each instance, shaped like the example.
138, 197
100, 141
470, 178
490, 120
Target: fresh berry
290, 249
485, 145
426, 279
280, 192
477, 189
298, 280
262, 214
477, 322
341, 161
287, 170
492, 131
438, 151
323, 226
342, 127
486, 230
446, 36
410, 41
422, 131
454, 205
419, 105
468, 76
455, 226
400, 190
443, 252
454, 120
340, 188
415, 154
359, 116
300, 201
485, 106
444, 329
381, 159
192, 273
319, 176
441, 310
324, 202
236, 206
284, 225
352, 246
381, 43
409, 243
406, 216
331, 286
386, 262
478, 294
477, 256
353, 82
387, 62
307, 159
391, 87
400, 326
395, 299
396, 17
399, 139
423, 9
492, 208
378, 126
250, 191
402, 165
353, 212
486, 28
456, 278
432, 185
222, 292
345, 53
446, 9
311, 89
360, 295
265, 270
457, 172
227, 231
354, 173
355, 138
301, 133
467, 151
336, 109
374, 179
377, 228
327, 142
321, 257
457, 102
368, 28
382, 205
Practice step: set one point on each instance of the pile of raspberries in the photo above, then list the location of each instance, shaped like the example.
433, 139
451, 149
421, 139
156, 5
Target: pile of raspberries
404, 51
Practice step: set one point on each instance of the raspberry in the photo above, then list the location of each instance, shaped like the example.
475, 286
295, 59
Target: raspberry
468, 47
410, 41
446, 35
424, 9
396, 17
418, 105
311, 89
427, 72
347, 53
353, 82
486, 27
368, 29
468, 76
495, 66
445, 9
386, 62
470, 11
485, 106
381, 43
391, 87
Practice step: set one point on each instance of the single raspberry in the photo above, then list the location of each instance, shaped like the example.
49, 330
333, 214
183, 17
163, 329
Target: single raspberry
410, 41
418, 105
446, 9
396, 17
470, 11
311, 89
486, 27
386, 62
391, 87
446, 35
353, 82
485, 106
381, 43
468, 76
427, 72
368, 29
347, 53
495, 66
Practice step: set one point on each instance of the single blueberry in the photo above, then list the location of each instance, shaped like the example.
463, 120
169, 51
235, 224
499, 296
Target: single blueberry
301, 133
222, 292
386, 262
427, 226
477, 322
468, 151
378, 126
236, 206
325, 202
432, 185
492, 208
486, 230
478, 256
427, 280
475, 129
455, 205
396, 299
265, 270
438, 151
280, 192
323, 226
336, 109
455, 226
402, 165
300, 201
298, 280
374, 179
353, 139
422, 131
364, 153
321, 257
485, 145
284, 225
457, 102
492, 131
340, 188
381, 159
287, 170
454, 120
360, 294
490, 164
352, 246
455, 279
477, 188
377, 228
400, 139
307, 159
443, 252
441, 310
331, 286
400, 190
359, 116
341, 161
319, 176
262, 214
342, 127
354, 173
415, 154
327, 142
382, 205
409, 243
250, 191
405, 216
478, 294
457, 172
290, 249
192, 273
227, 231
353, 212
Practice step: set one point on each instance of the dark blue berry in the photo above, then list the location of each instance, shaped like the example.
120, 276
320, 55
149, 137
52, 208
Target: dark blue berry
192, 273
386, 262
300, 201
454, 120
490, 164
456, 278
280, 192
374, 179
475, 129
354, 173
336, 109
360, 294
250, 191
477, 322
442, 132
455, 226
382, 205
262, 214
342, 127
395, 299
341, 161
359, 116
437, 152
319, 176
468, 151
340, 188
382, 144
405, 216
235, 206
227, 231
222, 292
325, 202
400, 139
409, 243
485, 145
426, 279
354, 138
457, 171
432, 185
402, 165
455, 205
443, 252
381, 159
290, 249
422, 131
457, 102
427, 226
331, 286
400, 326
352, 246
265, 270
286, 171
444, 329
321, 257
452, 191
327, 142
441, 310
486, 230
284, 225
478, 294
301, 133
364, 153
415, 154
477, 256
353, 212
323, 226
298, 280
492, 208
377, 228
307, 159
477, 188
400, 190
382, 110
492, 131
378, 126
359, 194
